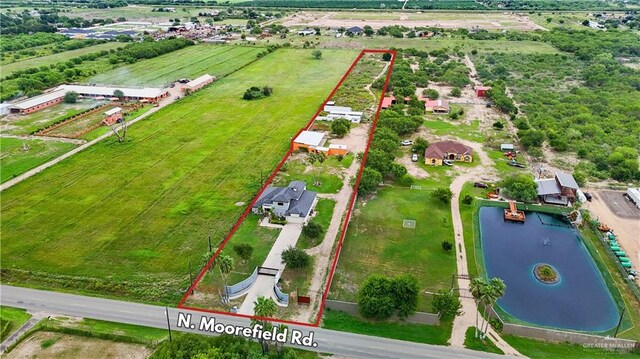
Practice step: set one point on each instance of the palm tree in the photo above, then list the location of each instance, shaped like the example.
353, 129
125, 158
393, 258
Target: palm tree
225, 264
478, 290
496, 291
264, 308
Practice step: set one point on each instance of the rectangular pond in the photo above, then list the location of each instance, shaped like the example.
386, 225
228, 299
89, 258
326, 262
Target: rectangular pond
579, 300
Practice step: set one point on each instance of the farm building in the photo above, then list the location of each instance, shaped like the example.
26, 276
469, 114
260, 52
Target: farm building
312, 142
293, 202
387, 101
356, 30
481, 91
197, 84
5, 108
438, 106
438, 152
634, 196
112, 116
39, 102
561, 189
335, 112
149, 94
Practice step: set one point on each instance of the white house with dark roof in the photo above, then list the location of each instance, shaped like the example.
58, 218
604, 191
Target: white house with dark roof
293, 202
561, 189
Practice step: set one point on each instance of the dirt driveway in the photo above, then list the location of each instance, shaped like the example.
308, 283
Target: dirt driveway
611, 208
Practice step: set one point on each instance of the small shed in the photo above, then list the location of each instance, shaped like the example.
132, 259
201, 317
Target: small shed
112, 116
481, 91
506, 147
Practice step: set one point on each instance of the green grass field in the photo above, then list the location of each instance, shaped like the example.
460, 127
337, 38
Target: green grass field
11, 319
536, 349
140, 210
99, 328
376, 242
190, 62
473, 343
324, 212
59, 57
419, 333
15, 161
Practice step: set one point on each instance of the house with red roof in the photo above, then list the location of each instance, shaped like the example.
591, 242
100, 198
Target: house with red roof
439, 152
438, 106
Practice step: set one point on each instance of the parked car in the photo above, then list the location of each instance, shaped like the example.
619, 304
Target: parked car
480, 185
588, 196
407, 143
447, 162
183, 80
414, 157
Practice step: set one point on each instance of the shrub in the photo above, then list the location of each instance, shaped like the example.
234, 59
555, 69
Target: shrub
498, 125
312, 230
456, 92
447, 246
442, 194
243, 250
386, 56
317, 54
340, 127
70, 97
295, 258
447, 304
467, 199
431, 94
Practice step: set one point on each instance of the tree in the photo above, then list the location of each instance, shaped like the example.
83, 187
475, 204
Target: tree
225, 265
368, 31
419, 145
294, 257
442, 194
495, 291
340, 126
264, 308
70, 97
521, 187
447, 246
386, 56
317, 54
405, 291
478, 289
119, 94
431, 94
369, 180
446, 304
585, 22
467, 199
243, 250
456, 92
312, 230
375, 299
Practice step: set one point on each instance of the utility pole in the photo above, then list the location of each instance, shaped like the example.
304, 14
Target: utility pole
619, 321
166, 311
191, 278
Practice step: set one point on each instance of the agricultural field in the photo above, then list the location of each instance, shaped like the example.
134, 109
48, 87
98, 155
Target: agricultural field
20, 155
190, 62
59, 57
194, 161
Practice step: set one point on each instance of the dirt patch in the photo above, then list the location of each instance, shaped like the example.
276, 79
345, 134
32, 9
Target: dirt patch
611, 208
498, 21
54, 345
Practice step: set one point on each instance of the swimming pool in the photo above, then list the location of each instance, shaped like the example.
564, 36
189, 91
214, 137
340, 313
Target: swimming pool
579, 300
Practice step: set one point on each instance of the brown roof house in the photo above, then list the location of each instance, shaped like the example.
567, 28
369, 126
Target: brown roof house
439, 153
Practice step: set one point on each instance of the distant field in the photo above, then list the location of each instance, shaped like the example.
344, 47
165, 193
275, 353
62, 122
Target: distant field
142, 210
465, 45
15, 161
59, 57
189, 62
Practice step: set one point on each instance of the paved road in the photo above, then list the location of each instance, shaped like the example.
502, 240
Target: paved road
329, 341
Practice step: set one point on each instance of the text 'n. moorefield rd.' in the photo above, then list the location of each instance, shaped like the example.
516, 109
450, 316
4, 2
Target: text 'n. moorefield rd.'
280, 334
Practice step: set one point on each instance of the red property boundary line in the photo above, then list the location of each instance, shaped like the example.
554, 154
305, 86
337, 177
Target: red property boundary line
268, 182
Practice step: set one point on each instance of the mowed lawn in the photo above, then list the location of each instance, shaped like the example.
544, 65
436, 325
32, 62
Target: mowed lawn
376, 243
190, 62
14, 160
59, 57
141, 210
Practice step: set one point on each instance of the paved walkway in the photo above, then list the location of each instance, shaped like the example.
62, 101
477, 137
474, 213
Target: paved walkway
263, 286
165, 102
23, 329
